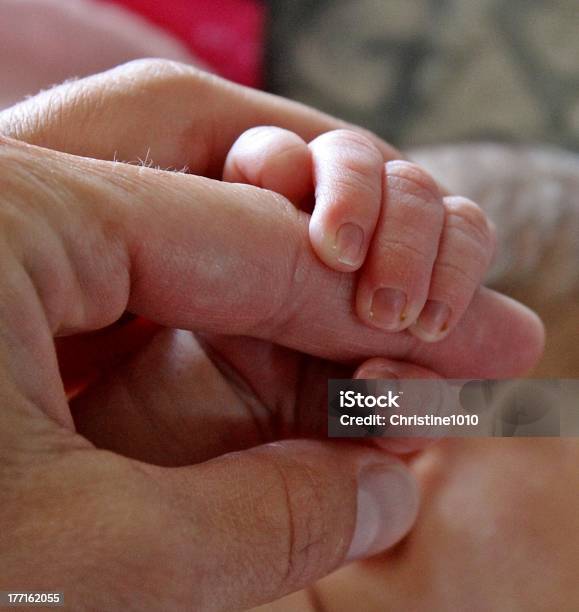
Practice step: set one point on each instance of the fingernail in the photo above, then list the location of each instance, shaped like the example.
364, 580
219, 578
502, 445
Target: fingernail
349, 242
387, 508
376, 370
387, 308
433, 321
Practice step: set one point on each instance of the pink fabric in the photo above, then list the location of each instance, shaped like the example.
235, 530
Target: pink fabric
226, 34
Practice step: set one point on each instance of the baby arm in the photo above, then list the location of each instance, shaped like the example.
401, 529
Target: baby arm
420, 255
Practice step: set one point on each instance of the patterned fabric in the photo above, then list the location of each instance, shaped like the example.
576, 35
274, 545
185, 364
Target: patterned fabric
430, 71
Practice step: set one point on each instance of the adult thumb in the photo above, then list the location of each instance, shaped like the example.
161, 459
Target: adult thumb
271, 520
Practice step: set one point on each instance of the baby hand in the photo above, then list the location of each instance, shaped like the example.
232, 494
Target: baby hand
421, 256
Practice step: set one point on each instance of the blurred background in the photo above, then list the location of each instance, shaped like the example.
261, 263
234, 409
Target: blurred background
430, 71
484, 93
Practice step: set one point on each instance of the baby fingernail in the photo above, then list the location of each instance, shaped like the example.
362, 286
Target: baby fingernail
387, 309
433, 321
349, 242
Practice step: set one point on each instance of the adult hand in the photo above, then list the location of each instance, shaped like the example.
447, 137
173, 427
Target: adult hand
83, 239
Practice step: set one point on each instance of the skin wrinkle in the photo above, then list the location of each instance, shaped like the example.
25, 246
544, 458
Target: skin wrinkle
265, 506
398, 245
73, 284
448, 265
107, 258
456, 221
289, 563
342, 292
298, 273
136, 397
32, 327
414, 176
298, 563
315, 600
354, 137
279, 159
481, 248
278, 413
283, 414
336, 198
347, 180
411, 207
347, 176
243, 389
316, 536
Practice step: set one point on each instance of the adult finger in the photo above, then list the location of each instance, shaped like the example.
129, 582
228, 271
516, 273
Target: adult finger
161, 112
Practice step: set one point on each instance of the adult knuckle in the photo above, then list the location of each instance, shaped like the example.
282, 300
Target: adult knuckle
161, 76
153, 68
162, 81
